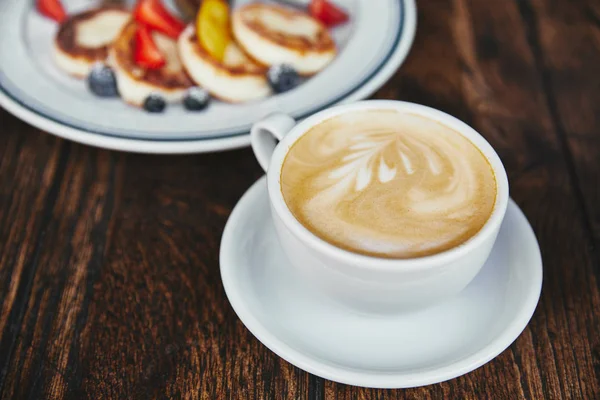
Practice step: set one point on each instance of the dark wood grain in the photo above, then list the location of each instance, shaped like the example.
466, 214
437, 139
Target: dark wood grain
28, 167
109, 279
568, 40
127, 299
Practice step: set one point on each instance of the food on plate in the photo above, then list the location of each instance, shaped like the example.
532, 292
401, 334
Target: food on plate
274, 35
327, 12
136, 82
282, 78
155, 103
153, 14
196, 99
102, 81
150, 58
237, 78
52, 9
84, 39
146, 53
212, 27
214, 60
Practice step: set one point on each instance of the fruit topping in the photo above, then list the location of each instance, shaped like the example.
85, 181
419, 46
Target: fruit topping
156, 16
52, 9
155, 104
212, 27
196, 99
146, 54
282, 78
102, 81
327, 12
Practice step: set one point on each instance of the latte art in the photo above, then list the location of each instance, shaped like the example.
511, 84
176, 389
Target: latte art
388, 184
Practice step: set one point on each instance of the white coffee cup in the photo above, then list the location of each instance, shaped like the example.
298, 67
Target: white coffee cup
368, 283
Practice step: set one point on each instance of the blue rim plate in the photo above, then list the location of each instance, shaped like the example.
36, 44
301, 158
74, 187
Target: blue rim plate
371, 48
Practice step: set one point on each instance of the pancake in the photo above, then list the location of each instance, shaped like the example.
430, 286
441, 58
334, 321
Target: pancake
236, 79
84, 39
274, 34
136, 83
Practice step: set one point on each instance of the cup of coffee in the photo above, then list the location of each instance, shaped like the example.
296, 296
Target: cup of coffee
383, 205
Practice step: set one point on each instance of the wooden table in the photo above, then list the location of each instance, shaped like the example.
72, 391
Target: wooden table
109, 272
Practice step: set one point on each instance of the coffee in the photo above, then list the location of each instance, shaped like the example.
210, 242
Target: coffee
388, 184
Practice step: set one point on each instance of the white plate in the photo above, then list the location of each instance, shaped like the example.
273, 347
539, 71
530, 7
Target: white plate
413, 349
372, 46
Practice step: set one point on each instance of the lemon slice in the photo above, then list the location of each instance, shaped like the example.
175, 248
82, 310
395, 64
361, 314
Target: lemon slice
212, 27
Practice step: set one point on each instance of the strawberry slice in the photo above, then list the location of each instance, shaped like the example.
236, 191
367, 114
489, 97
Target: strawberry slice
327, 12
156, 16
52, 9
145, 53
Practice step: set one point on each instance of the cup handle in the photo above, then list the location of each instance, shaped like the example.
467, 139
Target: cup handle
265, 134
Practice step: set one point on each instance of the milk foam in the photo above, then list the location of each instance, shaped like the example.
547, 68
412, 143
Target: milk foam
388, 184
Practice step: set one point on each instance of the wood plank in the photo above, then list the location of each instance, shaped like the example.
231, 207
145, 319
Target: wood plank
567, 36
485, 73
162, 277
566, 42
127, 301
28, 167
66, 268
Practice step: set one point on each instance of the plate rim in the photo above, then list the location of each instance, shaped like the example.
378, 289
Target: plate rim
382, 380
228, 142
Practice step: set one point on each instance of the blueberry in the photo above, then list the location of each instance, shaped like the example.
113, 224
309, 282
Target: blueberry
196, 99
102, 81
282, 78
155, 104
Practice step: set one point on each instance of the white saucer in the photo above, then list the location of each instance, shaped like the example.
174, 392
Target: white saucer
420, 348
372, 45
